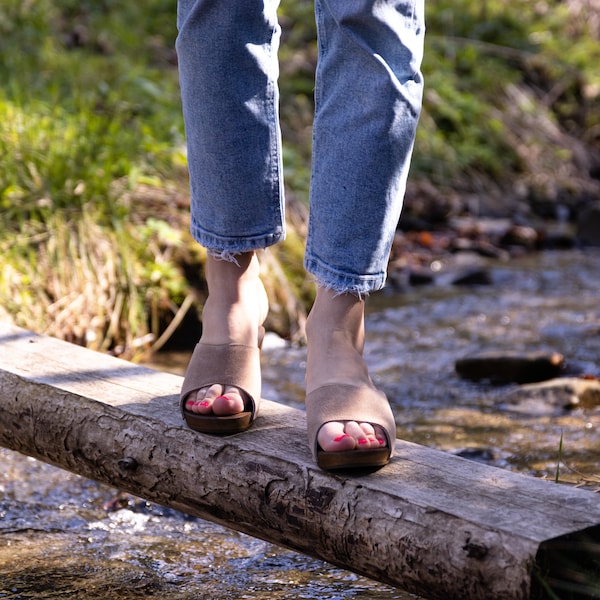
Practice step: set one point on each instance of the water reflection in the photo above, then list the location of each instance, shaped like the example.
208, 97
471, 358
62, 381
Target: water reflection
62, 535
59, 540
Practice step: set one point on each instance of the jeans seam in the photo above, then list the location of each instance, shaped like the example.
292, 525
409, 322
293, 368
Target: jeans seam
277, 200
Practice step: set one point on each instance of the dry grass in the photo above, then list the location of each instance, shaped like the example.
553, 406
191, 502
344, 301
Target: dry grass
83, 286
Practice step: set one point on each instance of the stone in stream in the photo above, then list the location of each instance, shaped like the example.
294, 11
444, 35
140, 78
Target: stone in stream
420, 276
473, 276
482, 455
511, 367
520, 235
562, 393
588, 225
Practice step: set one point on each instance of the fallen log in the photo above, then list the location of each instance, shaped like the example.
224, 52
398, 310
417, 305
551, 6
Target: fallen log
430, 523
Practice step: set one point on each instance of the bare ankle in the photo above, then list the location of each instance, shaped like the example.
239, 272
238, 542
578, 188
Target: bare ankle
335, 335
237, 303
229, 275
333, 312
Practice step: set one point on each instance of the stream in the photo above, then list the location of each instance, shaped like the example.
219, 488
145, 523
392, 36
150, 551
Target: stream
63, 536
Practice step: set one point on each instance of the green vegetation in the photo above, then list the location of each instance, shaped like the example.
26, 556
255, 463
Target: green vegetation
512, 89
88, 118
93, 216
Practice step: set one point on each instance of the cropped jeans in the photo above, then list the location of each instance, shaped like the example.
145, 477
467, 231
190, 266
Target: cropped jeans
368, 92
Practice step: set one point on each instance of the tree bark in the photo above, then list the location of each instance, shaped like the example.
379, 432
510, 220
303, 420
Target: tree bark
430, 523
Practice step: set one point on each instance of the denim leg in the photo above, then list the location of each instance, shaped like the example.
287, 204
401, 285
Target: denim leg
227, 52
367, 104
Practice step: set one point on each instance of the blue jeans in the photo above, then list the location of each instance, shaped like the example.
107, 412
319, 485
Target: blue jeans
368, 92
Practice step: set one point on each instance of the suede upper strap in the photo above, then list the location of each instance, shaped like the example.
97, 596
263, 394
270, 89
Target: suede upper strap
342, 402
224, 364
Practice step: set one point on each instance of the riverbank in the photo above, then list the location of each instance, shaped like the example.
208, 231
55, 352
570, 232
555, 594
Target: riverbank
93, 188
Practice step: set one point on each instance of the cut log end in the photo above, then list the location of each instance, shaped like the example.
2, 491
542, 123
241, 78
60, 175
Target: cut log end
568, 567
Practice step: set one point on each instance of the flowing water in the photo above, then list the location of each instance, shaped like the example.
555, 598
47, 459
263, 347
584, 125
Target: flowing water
62, 536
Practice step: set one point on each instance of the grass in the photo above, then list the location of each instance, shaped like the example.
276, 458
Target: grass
90, 115
559, 458
93, 185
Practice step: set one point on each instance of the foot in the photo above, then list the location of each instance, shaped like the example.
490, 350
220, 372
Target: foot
233, 313
335, 334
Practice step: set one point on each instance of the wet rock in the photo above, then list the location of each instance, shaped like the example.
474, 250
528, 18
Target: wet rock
520, 235
588, 225
463, 268
473, 276
511, 367
274, 341
563, 393
481, 247
482, 455
488, 228
558, 237
420, 277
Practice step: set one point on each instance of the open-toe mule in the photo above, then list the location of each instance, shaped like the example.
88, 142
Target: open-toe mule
341, 402
234, 365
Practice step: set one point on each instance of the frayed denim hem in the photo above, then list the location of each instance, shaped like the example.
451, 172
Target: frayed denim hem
227, 256
224, 255
337, 292
342, 283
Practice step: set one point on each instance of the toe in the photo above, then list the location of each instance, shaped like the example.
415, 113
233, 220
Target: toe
362, 433
228, 402
202, 402
194, 400
374, 434
332, 437
338, 436
381, 435
216, 400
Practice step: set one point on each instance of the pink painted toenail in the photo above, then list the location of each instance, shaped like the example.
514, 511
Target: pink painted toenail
363, 441
204, 403
341, 437
223, 397
381, 442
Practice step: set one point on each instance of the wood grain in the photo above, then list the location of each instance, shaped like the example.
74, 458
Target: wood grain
430, 523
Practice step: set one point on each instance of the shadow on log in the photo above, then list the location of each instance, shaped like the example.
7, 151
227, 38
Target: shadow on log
431, 523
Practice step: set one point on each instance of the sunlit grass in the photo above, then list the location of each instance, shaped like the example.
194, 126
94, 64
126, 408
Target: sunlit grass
90, 115
84, 121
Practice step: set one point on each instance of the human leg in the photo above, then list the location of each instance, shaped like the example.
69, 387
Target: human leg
228, 67
232, 319
367, 104
227, 53
368, 98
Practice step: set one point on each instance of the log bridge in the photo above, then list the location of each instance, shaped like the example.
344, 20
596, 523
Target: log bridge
430, 523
